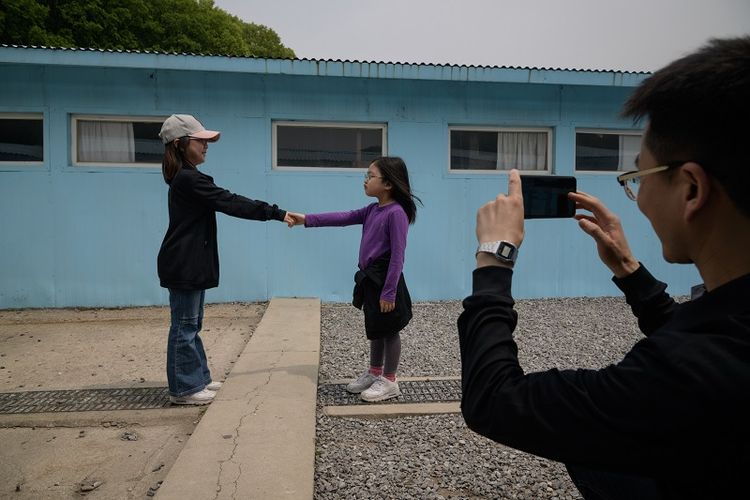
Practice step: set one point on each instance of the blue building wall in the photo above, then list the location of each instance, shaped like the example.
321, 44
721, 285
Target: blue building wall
79, 236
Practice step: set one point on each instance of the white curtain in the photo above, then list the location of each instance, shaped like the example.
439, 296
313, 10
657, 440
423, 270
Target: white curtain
630, 146
110, 142
522, 150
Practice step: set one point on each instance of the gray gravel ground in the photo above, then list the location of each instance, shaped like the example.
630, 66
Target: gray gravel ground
437, 456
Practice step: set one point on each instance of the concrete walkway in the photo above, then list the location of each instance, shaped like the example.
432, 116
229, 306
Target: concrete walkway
257, 439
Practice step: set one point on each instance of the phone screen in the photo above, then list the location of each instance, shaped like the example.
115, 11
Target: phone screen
546, 196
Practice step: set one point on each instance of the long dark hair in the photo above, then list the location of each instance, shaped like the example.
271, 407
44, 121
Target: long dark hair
393, 169
174, 158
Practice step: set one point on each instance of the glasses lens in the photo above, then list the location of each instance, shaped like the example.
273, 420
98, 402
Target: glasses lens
631, 188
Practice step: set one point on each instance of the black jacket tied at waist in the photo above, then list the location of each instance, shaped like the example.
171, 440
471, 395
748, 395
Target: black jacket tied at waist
368, 284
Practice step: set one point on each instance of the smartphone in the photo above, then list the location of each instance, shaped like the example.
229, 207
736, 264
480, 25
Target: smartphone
546, 196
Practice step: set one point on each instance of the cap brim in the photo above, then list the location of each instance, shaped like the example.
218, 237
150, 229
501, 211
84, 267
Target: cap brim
209, 135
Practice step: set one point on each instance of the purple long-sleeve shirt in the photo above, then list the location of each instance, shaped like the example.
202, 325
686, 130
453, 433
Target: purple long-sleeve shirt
384, 230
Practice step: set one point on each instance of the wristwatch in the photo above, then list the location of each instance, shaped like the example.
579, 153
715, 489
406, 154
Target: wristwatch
503, 251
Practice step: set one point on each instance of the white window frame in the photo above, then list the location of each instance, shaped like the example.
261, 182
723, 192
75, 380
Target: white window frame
75, 118
603, 131
26, 116
548, 167
383, 127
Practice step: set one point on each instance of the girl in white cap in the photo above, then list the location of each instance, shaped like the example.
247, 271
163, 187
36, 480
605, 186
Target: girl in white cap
188, 261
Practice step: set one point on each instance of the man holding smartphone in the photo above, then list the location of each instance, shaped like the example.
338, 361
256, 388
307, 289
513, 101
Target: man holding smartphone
671, 419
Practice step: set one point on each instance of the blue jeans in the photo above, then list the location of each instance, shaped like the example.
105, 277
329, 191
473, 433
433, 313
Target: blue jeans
601, 485
187, 368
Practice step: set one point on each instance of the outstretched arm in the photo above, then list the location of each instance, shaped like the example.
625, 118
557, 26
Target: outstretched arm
202, 189
337, 219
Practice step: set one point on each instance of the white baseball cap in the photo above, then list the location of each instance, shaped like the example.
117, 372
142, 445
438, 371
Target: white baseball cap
177, 126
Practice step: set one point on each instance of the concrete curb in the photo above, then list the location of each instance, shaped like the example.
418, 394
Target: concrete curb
257, 439
392, 410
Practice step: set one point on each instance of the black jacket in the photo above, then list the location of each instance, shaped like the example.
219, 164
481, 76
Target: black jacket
676, 408
368, 285
189, 256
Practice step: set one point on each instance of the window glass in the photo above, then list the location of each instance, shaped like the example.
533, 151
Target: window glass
499, 149
327, 146
21, 139
118, 141
606, 151
473, 150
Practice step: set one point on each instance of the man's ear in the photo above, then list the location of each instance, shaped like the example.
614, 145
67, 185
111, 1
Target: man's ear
697, 189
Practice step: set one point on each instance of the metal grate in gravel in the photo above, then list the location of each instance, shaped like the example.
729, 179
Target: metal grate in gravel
141, 398
420, 391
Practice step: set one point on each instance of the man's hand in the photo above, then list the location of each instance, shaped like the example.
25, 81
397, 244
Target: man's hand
294, 219
501, 219
604, 226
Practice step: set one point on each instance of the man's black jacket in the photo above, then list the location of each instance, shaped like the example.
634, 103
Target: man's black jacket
676, 408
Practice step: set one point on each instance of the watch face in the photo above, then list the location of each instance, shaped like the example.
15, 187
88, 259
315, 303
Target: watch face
502, 250
505, 251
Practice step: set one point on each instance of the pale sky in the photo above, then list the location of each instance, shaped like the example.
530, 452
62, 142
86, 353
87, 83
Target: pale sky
627, 35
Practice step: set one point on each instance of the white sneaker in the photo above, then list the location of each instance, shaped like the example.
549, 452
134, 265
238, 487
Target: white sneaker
361, 383
214, 386
381, 390
199, 398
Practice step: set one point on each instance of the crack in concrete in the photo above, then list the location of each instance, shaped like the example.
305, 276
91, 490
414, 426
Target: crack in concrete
235, 440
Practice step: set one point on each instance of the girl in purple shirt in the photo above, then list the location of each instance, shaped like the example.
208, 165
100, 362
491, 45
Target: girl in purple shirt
380, 289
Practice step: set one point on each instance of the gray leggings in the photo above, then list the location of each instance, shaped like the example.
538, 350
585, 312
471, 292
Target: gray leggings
386, 352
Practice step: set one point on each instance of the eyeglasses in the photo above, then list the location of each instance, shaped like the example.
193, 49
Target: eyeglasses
202, 141
369, 176
631, 180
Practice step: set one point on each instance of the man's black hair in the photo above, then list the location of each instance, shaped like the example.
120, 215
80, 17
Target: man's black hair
698, 109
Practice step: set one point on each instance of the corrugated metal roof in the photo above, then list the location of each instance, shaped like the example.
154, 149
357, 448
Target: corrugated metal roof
318, 67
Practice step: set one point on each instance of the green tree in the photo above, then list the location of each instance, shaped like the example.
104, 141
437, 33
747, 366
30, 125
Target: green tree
195, 26
261, 40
